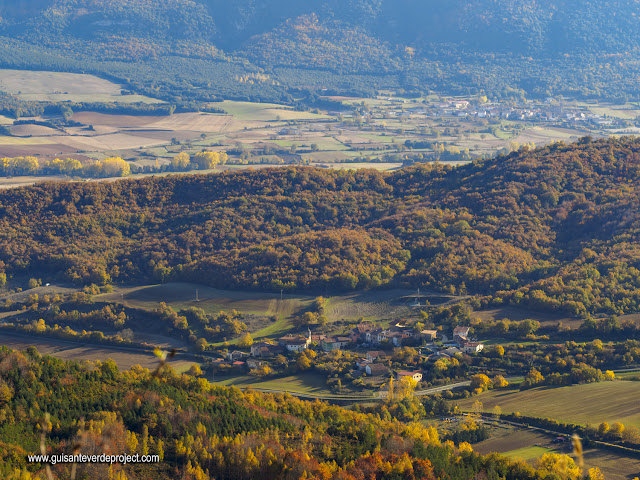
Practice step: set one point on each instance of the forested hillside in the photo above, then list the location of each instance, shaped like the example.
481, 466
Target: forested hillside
198, 48
552, 228
200, 432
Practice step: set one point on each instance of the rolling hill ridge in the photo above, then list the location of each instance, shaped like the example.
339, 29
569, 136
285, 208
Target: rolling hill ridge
553, 228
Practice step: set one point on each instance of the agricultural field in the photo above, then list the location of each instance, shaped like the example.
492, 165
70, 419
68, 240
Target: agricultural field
307, 384
519, 314
61, 87
125, 358
529, 446
275, 311
365, 133
588, 404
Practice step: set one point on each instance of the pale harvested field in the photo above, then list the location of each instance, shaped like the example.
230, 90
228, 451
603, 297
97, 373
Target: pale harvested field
114, 141
199, 122
507, 439
542, 136
61, 86
85, 132
615, 111
165, 135
264, 112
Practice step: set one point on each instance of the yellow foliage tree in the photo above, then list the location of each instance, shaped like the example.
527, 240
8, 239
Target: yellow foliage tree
206, 160
404, 388
480, 381
603, 428
181, 161
595, 474
499, 382
561, 465
114, 167
617, 428
246, 341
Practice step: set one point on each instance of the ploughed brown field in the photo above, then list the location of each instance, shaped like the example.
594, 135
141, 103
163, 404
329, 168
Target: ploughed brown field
115, 132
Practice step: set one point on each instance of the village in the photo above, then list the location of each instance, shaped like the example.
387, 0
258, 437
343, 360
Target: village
551, 111
369, 354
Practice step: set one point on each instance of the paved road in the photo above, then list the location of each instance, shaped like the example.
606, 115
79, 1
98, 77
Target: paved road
442, 388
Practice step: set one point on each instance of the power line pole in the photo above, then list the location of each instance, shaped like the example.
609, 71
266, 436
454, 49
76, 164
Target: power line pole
197, 300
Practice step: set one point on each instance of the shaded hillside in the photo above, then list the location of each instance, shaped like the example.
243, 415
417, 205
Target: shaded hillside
554, 228
502, 48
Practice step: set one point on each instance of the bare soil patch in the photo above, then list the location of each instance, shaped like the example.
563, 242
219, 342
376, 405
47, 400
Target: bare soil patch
49, 149
33, 131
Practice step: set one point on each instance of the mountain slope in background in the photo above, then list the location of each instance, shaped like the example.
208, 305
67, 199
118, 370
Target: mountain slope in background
515, 26
542, 48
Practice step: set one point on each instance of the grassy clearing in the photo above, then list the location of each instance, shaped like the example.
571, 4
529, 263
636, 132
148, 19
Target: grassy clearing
351, 306
275, 330
528, 453
630, 375
211, 300
581, 404
519, 314
309, 383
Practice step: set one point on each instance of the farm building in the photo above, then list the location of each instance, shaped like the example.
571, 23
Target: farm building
376, 370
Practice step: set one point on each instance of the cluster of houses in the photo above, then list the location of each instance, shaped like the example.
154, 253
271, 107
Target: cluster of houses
459, 343
374, 363
546, 111
373, 366
542, 111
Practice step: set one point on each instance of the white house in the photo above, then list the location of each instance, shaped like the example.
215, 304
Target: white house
295, 343
472, 347
417, 376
